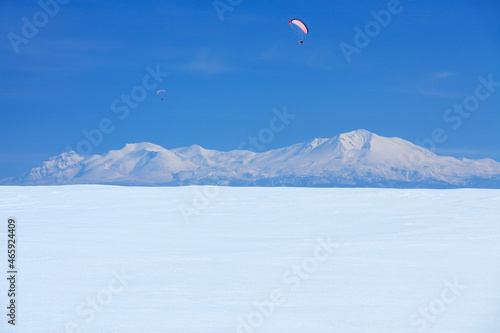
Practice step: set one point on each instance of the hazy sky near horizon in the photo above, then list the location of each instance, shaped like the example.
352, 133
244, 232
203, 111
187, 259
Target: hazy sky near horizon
85, 63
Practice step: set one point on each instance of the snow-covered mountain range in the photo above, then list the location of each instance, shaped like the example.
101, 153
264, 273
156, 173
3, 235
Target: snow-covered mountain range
354, 159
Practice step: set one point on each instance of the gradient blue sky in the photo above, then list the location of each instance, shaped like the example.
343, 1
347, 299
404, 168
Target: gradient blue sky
227, 76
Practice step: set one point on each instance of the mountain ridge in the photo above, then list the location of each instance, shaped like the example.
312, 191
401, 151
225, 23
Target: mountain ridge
354, 159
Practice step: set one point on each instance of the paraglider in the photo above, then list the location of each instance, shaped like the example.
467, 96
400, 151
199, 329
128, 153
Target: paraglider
159, 91
300, 28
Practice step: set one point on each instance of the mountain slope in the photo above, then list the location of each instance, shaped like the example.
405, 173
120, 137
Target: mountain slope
357, 158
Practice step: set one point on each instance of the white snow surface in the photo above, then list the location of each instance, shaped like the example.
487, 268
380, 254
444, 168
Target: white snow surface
396, 250
359, 158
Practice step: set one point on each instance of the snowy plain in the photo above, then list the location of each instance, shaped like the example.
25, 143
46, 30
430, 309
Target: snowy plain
211, 259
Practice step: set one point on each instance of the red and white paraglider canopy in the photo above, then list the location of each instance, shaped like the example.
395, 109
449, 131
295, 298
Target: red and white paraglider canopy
299, 24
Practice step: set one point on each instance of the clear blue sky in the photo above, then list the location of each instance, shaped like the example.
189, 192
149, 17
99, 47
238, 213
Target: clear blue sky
227, 76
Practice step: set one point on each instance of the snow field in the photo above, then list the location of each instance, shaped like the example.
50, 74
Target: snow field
124, 259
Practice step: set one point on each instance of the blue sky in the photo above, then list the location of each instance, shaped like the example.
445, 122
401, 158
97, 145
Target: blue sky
226, 77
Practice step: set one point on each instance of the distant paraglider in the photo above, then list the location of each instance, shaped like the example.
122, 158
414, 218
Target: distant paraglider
300, 28
159, 91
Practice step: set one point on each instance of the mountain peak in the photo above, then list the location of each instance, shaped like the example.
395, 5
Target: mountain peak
358, 132
358, 139
130, 147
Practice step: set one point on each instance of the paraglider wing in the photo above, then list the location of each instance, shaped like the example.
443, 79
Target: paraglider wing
160, 91
300, 24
